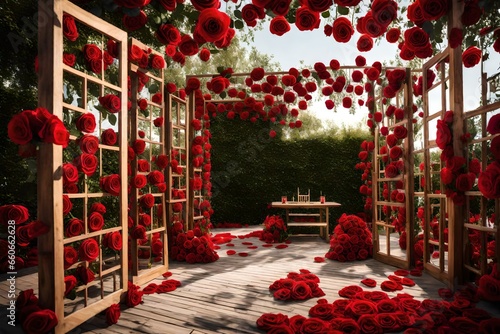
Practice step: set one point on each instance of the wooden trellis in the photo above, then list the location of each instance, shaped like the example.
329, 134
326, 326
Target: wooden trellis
56, 78
150, 258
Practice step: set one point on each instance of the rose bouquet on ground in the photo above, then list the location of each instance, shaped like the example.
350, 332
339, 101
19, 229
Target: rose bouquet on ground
192, 246
297, 286
275, 230
351, 240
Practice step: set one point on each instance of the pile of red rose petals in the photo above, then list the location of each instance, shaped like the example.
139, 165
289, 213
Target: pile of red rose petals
167, 285
297, 286
375, 311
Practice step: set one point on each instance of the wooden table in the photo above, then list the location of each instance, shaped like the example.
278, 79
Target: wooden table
321, 214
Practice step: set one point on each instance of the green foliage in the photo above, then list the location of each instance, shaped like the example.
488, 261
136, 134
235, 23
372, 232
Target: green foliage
251, 170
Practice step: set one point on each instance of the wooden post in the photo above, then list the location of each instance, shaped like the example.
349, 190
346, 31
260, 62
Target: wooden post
49, 165
456, 213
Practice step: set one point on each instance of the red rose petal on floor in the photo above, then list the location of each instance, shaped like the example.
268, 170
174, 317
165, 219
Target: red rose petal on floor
407, 281
416, 272
267, 245
369, 282
252, 247
304, 271
390, 286
288, 241
401, 272
243, 254
281, 246
241, 237
445, 293
231, 252
216, 247
394, 278
167, 274
151, 288
230, 245
319, 259
246, 243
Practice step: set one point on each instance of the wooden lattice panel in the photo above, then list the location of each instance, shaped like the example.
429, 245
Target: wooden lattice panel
393, 170
83, 189
148, 159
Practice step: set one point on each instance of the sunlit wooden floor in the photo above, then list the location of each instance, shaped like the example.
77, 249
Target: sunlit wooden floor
229, 295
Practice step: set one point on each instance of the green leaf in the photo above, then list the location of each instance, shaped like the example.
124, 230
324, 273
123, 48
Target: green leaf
326, 14
342, 10
131, 11
237, 13
428, 28
157, 19
238, 24
112, 119
153, 88
223, 95
220, 69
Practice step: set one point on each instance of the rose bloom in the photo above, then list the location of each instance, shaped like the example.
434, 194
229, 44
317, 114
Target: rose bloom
392, 35
443, 135
111, 103
188, 46
456, 37
400, 132
167, 34
109, 137
111, 184
89, 250
204, 54
471, 56
86, 123
69, 59
19, 130
86, 163
212, 25
493, 126
40, 321
433, 10
95, 221
342, 30
113, 314
268, 321
306, 19
69, 27
416, 39
88, 144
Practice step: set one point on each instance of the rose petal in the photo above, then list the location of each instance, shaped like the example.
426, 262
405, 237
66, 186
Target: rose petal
243, 254
281, 246
369, 282
401, 272
319, 259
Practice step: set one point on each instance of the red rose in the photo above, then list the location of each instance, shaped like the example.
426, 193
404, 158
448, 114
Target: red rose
392, 35
471, 56
69, 27
70, 256
142, 165
388, 322
347, 3
67, 205
133, 23
250, 13
155, 177
416, 39
493, 126
138, 232
433, 10
443, 135
306, 18
95, 221
318, 6
168, 34
113, 240
70, 173
54, 131
85, 275
204, 54
395, 152
342, 30
113, 314
147, 201
18, 213
42, 321
391, 170
314, 325
212, 25
19, 130
111, 103
86, 163
139, 181
111, 184
219, 84
98, 207
400, 132
446, 175
357, 308
134, 295
70, 283
89, 144
69, 59
472, 13
89, 250
368, 324
365, 43
139, 146
86, 123
73, 228
384, 12
465, 182
269, 320
109, 137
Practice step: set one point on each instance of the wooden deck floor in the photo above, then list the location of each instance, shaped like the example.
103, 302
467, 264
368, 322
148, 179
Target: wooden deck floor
229, 295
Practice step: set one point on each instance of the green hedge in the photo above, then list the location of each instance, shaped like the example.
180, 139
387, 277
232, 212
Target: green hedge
250, 170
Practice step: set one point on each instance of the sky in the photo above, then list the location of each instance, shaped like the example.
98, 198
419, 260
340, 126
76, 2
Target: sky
308, 47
